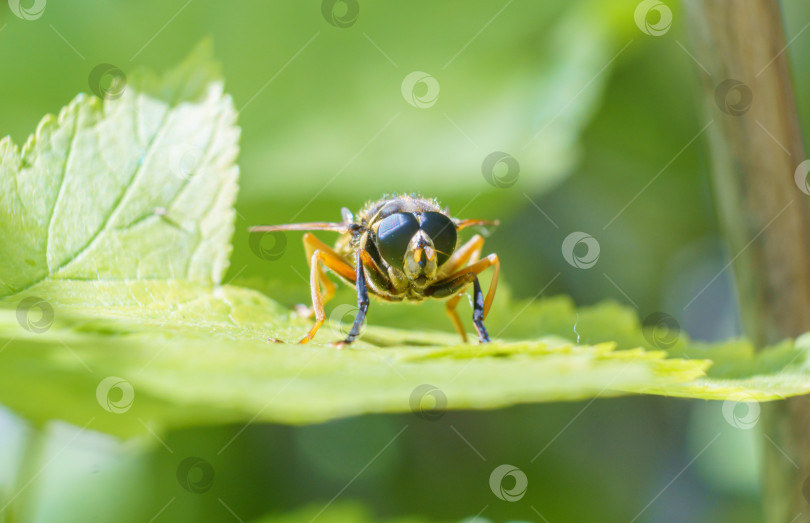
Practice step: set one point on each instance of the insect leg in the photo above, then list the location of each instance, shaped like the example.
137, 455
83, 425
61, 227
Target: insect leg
477, 268
311, 244
362, 301
478, 312
469, 252
333, 262
378, 280
458, 281
450, 308
453, 287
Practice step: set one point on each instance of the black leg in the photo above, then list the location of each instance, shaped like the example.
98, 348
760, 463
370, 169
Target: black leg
478, 312
362, 302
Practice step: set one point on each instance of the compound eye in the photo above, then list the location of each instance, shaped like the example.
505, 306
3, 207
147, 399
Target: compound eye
393, 236
442, 231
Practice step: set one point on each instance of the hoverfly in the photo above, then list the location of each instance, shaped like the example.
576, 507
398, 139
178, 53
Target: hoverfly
397, 248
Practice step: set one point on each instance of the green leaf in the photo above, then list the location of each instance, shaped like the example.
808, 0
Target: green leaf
199, 355
141, 186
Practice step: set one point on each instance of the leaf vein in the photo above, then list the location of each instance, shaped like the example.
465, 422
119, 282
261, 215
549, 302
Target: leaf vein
60, 193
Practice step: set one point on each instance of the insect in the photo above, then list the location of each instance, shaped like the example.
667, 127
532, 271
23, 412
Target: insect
399, 248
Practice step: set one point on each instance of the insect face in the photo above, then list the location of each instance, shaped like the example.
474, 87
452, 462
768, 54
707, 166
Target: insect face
416, 243
420, 260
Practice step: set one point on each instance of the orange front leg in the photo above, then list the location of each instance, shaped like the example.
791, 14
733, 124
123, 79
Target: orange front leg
467, 253
311, 244
333, 262
455, 284
450, 308
477, 268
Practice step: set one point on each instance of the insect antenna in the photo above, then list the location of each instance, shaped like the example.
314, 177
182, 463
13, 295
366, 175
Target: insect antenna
313, 226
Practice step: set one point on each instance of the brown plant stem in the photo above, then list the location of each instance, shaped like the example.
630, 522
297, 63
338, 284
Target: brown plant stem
756, 147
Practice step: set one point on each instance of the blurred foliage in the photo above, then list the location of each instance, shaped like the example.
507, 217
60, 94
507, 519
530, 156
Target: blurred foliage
317, 120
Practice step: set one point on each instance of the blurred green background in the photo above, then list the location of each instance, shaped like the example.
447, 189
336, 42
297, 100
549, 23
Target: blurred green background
590, 107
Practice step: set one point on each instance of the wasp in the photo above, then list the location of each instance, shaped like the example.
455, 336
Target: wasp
399, 248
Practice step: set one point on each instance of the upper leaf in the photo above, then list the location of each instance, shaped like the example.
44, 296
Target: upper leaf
141, 186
